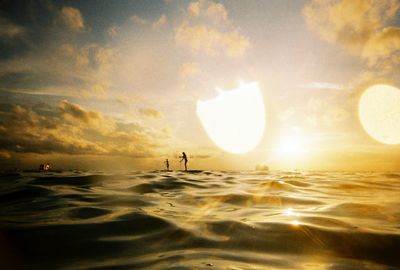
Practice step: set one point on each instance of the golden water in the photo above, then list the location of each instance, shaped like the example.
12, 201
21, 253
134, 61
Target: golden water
200, 220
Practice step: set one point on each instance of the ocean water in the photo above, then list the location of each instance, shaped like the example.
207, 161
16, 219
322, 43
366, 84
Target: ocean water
200, 220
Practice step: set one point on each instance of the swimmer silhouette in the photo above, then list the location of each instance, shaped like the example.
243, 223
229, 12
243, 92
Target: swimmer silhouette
185, 159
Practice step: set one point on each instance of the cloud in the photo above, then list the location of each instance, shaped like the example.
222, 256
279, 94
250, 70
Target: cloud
384, 45
71, 129
189, 73
137, 20
113, 31
160, 22
78, 116
23, 130
66, 69
10, 31
324, 111
5, 154
72, 18
323, 85
203, 39
194, 9
152, 113
189, 69
359, 26
208, 30
215, 12
334, 114
163, 20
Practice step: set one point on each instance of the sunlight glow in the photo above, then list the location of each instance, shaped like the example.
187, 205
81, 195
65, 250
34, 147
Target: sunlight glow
235, 119
379, 111
291, 147
288, 212
295, 223
291, 212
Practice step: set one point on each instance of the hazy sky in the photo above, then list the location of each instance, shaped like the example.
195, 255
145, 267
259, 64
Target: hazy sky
114, 84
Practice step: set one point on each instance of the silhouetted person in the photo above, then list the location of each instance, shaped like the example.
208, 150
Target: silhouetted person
41, 167
185, 159
167, 164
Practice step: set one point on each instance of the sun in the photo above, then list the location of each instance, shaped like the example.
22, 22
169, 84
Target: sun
234, 119
379, 112
291, 147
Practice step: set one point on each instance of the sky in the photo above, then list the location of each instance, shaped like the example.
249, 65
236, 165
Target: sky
115, 84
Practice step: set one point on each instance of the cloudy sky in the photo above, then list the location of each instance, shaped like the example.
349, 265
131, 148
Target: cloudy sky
114, 84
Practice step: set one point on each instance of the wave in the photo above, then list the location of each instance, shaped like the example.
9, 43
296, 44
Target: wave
200, 219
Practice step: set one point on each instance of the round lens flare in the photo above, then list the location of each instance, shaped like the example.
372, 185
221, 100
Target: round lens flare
235, 119
379, 111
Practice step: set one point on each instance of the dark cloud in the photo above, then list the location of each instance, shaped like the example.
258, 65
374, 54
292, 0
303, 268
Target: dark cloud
51, 51
77, 112
62, 69
71, 129
10, 31
26, 25
31, 80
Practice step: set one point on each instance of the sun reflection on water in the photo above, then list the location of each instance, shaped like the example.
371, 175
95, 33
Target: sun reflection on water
290, 212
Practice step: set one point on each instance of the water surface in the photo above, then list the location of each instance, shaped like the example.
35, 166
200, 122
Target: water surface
200, 220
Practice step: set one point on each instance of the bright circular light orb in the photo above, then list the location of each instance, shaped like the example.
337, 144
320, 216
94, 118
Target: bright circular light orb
235, 119
379, 111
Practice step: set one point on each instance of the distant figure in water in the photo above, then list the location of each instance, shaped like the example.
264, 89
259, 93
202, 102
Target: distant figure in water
185, 159
43, 167
167, 164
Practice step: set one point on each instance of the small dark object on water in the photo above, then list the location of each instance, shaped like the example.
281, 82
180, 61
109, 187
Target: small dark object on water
44, 168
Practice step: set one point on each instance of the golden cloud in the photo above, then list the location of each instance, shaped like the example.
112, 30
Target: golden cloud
78, 116
335, 114
72, 129
194, 9
72, 18
216, 12
385, 44
359, 26
203, 39
189, 69
323, 111
208, 30
151, 112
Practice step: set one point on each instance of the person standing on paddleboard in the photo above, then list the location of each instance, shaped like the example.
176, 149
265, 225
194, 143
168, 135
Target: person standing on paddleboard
184, 157
166, 162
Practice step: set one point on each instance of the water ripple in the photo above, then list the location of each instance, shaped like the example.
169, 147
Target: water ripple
200, 220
